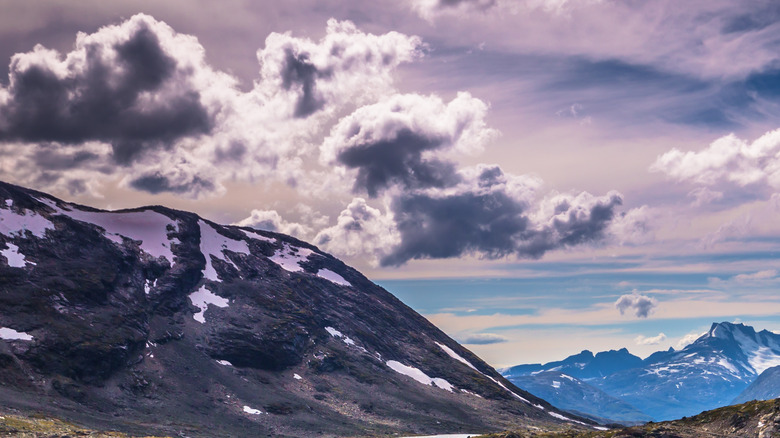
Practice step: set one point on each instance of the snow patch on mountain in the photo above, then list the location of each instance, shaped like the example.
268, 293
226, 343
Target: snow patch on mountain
14, 257
419, 376
201, 299
213, 244
290, 257
337, 334
252, 411
333, 277
147, 226
10, 334
15, 224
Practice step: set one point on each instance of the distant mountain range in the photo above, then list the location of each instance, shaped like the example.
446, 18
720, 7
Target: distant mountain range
711, 372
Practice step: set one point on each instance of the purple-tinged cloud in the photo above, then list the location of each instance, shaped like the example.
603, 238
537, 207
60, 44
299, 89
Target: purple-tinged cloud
482, 339
271, 220
138, 101
399, 140
634, 303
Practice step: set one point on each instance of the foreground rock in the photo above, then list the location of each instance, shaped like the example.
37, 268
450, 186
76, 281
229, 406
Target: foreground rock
157, 321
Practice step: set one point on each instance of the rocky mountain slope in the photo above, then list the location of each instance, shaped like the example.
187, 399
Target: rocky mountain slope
706, 374
765, 387
158, 321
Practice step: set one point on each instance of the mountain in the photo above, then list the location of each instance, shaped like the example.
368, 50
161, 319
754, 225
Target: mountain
154, 320
765, 387
757, 419
706, 374
582, 366
574, 395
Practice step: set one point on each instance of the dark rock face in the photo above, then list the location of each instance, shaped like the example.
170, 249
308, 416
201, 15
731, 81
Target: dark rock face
161, 318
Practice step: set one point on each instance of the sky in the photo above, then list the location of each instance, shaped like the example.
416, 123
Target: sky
536, 177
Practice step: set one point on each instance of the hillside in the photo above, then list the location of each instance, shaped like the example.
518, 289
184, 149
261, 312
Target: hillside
157, 321
757, 419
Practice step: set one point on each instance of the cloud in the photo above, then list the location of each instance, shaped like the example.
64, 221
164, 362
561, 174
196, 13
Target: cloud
398, 140
689, 339
727, 161
402, 149
360, 230
270, 220
138, 101
429, 9
640, 305
654, 340
769, 274
482, 339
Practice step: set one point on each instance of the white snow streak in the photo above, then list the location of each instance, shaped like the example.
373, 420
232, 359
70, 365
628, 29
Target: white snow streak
418, 375
253, 235
337, 334
225, 363
456, 356
333, 277
564, 418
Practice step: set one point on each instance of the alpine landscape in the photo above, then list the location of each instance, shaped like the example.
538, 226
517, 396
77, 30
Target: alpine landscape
419, 218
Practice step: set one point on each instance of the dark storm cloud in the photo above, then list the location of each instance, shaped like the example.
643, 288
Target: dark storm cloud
490, 220
126, 91
398, 161
158, 183
299, 72
450, 226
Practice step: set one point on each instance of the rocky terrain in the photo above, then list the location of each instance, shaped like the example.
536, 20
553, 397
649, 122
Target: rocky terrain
156, 321
757, 419
706, 374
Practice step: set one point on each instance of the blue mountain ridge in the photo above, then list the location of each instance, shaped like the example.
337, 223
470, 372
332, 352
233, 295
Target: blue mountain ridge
670, 384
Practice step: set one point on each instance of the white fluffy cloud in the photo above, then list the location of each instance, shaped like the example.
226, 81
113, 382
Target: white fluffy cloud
650, 340
360, 230
688, 339
727, 160
270, 220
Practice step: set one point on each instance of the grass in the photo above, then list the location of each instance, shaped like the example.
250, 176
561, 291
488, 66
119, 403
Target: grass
40, 426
